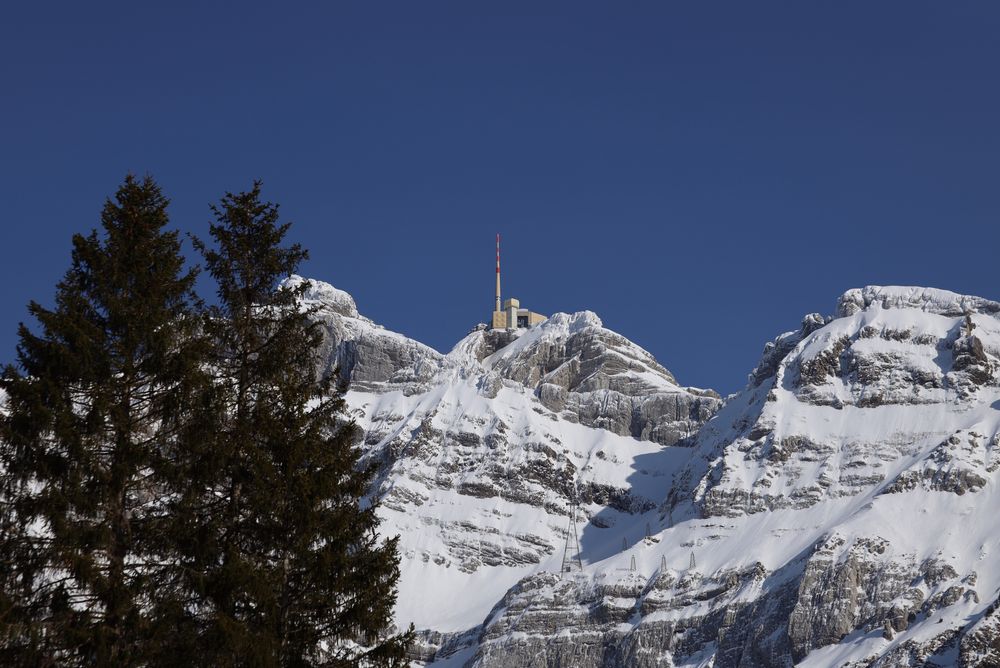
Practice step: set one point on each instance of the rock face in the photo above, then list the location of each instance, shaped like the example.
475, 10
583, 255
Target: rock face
482, 451
806, 429
980, 645
839, 511
593, 376
359, 351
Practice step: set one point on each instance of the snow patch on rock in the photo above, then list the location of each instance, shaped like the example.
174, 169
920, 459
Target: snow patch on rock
318, 291
929, 300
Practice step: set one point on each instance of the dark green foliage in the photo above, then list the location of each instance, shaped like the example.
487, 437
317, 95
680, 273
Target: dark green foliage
177, 487
286, 558
94, 413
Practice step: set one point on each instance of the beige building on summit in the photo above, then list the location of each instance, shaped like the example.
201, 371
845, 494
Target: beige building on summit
512, 316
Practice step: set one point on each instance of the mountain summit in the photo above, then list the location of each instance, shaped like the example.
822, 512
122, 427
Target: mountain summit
840, 510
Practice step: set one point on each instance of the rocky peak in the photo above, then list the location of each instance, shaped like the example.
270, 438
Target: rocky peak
589, 374
920, 354
482, 451
360, 351
928, 300
838, 511
325, 294
576, 352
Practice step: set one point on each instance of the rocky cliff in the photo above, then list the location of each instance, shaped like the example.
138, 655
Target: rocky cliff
483, 450
838, 511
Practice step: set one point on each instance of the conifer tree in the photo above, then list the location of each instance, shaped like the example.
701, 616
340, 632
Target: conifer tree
94, 411
284, 561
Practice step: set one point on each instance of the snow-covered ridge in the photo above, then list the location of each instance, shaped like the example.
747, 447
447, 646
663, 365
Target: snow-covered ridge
558, 326
840, 511
318, 291
929, 300
481, 450
837, 512
808, 415
358, 350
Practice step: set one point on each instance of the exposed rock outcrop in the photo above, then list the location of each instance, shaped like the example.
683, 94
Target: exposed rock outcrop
835, 512
483, 451
598, 378
840, 511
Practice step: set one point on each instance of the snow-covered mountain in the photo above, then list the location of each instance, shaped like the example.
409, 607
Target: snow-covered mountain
840, 510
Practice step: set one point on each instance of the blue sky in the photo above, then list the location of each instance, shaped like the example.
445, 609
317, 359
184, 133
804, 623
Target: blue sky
699, 174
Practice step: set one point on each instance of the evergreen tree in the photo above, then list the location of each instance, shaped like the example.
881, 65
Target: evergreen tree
284, 558
95, 409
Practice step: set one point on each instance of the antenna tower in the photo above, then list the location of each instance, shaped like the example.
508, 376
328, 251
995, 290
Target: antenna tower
497, 309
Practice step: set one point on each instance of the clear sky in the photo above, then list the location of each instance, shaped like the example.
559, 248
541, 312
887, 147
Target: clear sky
700, 174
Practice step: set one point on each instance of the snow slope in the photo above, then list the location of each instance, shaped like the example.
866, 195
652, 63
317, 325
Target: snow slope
838, 511
482, 450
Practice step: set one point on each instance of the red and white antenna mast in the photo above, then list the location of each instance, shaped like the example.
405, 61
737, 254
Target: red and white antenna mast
498, 274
